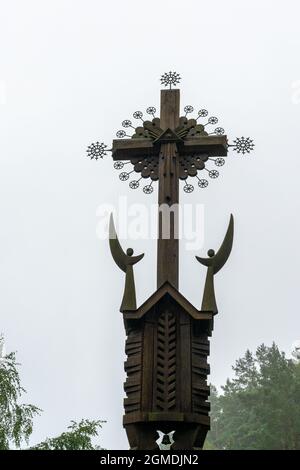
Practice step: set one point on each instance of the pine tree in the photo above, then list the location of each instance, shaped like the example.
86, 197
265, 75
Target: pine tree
260, 407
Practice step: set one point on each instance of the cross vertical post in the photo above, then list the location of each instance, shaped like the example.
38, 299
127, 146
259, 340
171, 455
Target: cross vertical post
168, 194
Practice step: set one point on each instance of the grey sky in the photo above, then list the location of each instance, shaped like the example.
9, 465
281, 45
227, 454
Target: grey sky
70, 72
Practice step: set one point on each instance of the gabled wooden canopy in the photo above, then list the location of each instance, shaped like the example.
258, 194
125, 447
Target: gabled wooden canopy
167, 290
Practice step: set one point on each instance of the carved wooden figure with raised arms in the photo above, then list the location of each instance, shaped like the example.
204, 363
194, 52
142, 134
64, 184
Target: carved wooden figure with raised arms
167, 341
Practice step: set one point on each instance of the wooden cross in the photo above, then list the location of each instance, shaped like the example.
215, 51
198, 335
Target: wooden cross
166, 141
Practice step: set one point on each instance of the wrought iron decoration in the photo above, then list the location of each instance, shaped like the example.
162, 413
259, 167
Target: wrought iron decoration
190, 165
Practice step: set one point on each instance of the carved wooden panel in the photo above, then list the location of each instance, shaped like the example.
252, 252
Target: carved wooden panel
200, 370
166, 383
166, 362
133, 368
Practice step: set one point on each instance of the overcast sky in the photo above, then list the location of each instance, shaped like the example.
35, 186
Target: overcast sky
70, 72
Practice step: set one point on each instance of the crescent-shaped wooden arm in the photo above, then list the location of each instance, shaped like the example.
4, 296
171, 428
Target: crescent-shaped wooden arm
116, 250
120, 257
125, 263
218, 260
214, 263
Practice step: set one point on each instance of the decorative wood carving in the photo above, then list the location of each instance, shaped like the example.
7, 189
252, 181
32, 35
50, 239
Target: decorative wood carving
166, 362
167, 343
167, 370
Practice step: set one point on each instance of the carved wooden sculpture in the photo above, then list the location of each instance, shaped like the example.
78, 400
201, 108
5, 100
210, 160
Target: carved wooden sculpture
167, 337
125, 263
214, 263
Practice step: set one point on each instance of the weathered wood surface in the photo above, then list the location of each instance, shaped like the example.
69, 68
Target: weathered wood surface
167, 338
167, 370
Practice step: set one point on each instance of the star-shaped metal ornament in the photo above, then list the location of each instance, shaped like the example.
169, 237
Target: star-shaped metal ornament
170, 78
243, 145
96, 150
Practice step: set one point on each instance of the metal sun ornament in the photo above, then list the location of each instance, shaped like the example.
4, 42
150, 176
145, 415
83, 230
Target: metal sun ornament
213, 174
170, 78
202, 113
219, 161
118, 165
219, 131
188, 109
124, 176
138, 115
96, 150
188, 188
127, 123
242, 145
151, 110
212, 120
120, 134
202, 183
148, 189
134, 184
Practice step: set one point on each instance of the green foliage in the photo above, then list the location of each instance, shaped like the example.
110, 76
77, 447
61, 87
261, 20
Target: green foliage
15, 419
260, 407
79, 437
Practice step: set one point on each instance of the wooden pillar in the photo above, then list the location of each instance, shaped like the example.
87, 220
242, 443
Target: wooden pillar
168, 248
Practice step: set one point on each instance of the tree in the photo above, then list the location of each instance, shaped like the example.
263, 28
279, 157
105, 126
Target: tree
79, 437
16, 419
260, 407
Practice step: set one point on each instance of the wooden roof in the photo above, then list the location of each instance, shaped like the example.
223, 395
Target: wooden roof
167, 289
